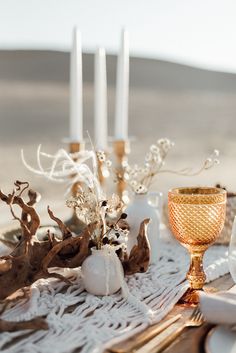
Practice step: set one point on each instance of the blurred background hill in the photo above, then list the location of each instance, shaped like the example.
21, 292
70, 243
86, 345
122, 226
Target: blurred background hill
193, 107
182, 81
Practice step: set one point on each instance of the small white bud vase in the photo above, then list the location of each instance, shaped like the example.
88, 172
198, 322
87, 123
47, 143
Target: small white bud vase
102, 272
143, 206
232, 252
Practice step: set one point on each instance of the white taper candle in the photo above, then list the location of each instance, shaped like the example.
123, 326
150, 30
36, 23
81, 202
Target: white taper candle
100, 100
122, 89
76, 95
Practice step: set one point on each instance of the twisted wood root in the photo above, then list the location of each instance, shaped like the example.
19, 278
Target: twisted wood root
31, 259
139, 257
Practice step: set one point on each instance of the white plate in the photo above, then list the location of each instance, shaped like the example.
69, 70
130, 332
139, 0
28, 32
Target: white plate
221, 339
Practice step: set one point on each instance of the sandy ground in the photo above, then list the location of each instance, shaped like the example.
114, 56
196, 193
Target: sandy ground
194, 108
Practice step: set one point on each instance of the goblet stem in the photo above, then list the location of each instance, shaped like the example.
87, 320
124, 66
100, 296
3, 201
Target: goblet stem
196, 278
196, 275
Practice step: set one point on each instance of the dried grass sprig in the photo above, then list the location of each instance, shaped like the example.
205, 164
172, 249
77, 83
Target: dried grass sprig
139, 178
90, 202
68, 168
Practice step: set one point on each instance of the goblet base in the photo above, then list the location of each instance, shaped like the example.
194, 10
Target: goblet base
190, 298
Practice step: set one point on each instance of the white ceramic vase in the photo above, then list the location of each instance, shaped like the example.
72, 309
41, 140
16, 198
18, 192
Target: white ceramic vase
145, 206
102, 272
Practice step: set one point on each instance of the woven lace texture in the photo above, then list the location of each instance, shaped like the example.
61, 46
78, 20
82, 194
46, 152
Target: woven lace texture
79, 320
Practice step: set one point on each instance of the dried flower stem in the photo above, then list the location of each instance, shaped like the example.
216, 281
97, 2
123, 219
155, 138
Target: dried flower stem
141, 178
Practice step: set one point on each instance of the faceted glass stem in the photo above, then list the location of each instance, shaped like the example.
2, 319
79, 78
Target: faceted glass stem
196, 275
196, 278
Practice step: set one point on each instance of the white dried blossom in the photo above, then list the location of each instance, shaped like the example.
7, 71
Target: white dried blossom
126, 176
108, 163
140, 189
114, 202
85, 204
133, 183
212, 159
216, 153
154, 149
139, 178
106, 213
148, 157
101, 156
105, 164
119, 235
165, 146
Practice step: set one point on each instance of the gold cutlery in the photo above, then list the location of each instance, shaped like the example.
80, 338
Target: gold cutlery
156, 345
144, 337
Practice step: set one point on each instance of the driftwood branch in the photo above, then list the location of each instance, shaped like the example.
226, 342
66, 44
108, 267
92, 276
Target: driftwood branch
31, 258
37, 323
66, 233
139, 257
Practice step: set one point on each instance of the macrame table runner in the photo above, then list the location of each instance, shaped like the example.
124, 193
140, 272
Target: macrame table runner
79, 320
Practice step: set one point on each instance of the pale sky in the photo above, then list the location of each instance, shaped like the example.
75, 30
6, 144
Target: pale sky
195, 32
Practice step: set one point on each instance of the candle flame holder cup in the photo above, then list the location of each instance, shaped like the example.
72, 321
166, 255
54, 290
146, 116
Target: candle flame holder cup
121, 150
196, 216
74, 223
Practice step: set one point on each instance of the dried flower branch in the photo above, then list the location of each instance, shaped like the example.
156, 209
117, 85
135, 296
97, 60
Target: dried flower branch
89, 202
104, 162
31, 258
107, 214
140, 178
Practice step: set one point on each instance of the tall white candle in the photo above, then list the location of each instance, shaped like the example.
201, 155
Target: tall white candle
122, 89
76, 97
100, 100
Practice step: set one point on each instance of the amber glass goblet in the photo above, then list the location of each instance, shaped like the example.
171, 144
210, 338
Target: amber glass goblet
197, 216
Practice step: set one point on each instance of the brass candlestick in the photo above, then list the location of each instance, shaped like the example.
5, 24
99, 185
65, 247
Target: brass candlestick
74, 223
101, 177
101, 171
121, 150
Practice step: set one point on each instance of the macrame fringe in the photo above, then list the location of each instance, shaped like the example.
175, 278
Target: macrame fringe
78, 319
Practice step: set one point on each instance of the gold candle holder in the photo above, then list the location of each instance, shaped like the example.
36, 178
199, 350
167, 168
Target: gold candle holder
101, 176
100, 173
74, 223
121, 150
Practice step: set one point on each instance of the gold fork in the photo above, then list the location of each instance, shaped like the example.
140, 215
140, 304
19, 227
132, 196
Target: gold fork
138, 341
195, 320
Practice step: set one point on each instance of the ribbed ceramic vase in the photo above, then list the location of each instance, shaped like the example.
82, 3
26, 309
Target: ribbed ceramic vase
102, 272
